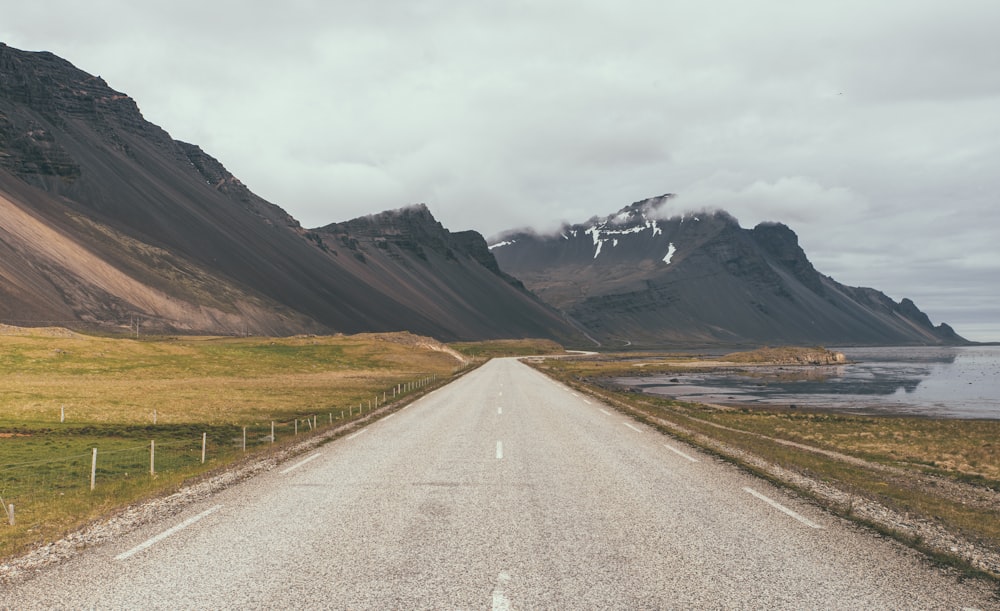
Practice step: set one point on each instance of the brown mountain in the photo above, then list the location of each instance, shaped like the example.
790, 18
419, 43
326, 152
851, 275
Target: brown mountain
637, 279
105, 218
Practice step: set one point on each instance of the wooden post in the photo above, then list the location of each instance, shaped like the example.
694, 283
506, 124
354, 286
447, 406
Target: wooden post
152, 457
272, 431
93, 470
204, 442
244, 439
296, 426
154, 416
10, 514
62, 413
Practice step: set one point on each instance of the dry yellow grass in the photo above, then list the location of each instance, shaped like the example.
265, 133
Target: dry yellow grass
219, 387
211, 380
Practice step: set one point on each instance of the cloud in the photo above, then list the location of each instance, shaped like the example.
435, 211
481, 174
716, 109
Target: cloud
789, 199
870, 128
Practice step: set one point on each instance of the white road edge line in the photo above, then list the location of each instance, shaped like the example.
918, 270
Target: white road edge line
163, 535
389, 416
355, 435
587, 402
676, 451
783, 509
299, 464
632, 427
499, 450
604, 411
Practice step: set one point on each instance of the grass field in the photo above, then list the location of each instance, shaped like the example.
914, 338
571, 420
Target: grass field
498, 348
902, 463
64, 394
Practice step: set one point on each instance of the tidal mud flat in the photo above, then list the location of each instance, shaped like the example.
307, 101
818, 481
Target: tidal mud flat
935, 382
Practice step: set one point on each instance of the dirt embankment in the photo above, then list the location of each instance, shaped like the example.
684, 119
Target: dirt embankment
788, 356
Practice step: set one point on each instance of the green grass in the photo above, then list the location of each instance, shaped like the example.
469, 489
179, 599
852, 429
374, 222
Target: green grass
507, 347
963, 451
117, 395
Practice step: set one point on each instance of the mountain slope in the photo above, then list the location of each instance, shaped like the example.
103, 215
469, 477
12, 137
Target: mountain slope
439, 274
634, 278
108, 218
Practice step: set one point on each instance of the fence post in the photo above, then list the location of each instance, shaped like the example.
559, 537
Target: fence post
10, 514
62, 413
93, 470
272, 431
244, 439
152, 457
154, 417
296, 426
204, 442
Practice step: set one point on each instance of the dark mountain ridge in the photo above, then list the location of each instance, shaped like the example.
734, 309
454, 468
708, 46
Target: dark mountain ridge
638, 278
106, 218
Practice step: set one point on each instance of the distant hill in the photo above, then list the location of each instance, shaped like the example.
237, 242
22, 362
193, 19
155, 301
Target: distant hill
634, 278
105, 219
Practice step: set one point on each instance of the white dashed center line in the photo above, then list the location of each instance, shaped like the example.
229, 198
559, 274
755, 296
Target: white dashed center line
783, 509
632, 427
500, 600
605, 412
356, 434
499, 450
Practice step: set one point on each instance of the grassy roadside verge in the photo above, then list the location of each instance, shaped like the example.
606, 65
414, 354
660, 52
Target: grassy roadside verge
63, 394
931, 484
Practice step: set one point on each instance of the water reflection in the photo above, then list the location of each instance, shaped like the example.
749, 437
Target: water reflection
944, 382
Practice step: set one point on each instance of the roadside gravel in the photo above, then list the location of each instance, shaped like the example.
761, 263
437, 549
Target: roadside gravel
931, 535
145, 512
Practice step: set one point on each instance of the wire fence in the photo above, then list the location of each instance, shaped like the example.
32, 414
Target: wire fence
29, 490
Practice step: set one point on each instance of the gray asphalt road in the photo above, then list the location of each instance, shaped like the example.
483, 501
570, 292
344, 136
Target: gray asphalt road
504, 490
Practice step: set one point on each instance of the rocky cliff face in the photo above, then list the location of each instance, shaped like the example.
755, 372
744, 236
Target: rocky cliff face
104, 218
445, 276
640, 278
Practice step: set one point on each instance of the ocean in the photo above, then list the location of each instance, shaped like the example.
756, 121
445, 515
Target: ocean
939, 382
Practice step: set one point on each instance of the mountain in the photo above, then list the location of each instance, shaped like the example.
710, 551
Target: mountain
637, 279
104, 219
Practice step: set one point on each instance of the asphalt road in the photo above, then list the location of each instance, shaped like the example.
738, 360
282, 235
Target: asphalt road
503, 490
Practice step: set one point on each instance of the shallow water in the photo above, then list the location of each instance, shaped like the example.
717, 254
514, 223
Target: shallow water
942, 382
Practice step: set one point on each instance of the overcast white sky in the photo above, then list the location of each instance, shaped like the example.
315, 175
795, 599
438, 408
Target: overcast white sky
871, 128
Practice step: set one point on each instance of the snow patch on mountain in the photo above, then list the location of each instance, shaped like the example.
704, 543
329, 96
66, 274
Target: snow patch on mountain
609, 232
670, 253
